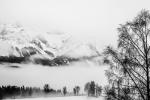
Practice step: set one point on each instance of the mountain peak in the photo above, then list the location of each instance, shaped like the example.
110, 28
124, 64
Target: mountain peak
18, 42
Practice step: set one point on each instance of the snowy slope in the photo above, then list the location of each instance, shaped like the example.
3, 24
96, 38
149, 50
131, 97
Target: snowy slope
19, 42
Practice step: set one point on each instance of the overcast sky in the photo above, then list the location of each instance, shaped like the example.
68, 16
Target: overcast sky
88, 20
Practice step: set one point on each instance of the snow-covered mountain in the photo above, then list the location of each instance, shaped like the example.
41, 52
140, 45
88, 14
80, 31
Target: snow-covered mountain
15, 41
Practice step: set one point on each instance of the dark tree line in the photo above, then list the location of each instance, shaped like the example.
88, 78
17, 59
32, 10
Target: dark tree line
47, 89
13, 91
23, 92
12, 59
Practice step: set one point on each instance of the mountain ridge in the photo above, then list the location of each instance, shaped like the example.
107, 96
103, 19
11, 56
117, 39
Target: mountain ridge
18, 46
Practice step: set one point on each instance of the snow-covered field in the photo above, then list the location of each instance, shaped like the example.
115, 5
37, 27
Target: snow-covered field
66, 98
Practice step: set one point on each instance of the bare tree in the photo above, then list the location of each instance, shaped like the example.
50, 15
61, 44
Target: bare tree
132, 57
64, 90
76, 90
46, 88
87, 88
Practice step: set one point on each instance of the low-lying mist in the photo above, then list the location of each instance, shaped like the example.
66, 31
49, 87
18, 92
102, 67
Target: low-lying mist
33, 75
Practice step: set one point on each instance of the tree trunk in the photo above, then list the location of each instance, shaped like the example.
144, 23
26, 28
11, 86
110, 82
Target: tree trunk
147, 75
118, 89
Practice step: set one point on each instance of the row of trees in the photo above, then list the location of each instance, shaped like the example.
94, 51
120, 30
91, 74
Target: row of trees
130, 62
19, 92
9, 91
13, 91
47, 90
90, 88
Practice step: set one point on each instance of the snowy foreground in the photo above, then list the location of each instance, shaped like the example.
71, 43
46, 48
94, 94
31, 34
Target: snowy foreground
65, 98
